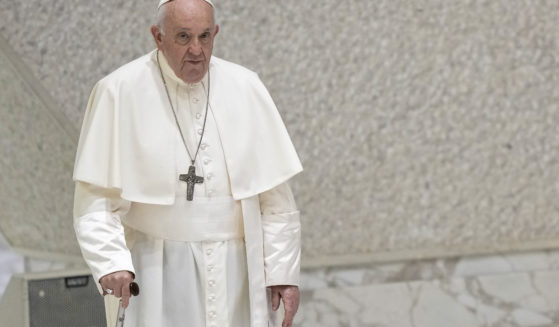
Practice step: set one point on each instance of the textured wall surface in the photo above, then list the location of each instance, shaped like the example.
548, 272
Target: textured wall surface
36, 169
425, 127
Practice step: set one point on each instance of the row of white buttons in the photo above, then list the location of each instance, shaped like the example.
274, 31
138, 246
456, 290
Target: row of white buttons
203, 146
211, 298
209, 175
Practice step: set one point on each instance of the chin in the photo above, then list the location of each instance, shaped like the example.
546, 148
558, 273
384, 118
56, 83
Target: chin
192, 80
193, 77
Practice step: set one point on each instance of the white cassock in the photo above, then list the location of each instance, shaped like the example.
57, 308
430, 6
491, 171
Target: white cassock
204, 262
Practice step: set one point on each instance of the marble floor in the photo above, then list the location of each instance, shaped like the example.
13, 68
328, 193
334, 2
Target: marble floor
500, 290
506, 290
10, 263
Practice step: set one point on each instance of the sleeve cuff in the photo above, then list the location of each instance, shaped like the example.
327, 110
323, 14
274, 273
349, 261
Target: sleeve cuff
282, 248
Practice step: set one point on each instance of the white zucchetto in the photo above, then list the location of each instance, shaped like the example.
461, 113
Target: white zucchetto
162, 2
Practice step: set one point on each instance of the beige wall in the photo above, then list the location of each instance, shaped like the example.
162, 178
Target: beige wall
426, 128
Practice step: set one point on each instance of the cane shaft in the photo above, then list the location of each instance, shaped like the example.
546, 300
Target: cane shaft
120, 315
134, 290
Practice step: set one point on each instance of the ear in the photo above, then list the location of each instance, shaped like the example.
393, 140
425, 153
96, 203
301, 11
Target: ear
157, 36
216, 29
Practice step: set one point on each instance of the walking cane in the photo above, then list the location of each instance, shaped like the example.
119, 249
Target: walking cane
134, 290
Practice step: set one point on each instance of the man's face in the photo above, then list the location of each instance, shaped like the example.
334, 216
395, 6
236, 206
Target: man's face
187, 42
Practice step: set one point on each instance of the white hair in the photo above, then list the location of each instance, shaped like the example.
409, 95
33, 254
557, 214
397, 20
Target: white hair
162, 13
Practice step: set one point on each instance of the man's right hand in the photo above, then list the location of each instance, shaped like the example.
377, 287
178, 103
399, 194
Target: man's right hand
119, 282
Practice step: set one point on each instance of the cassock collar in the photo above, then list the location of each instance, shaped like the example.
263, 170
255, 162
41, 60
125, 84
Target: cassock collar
170, 74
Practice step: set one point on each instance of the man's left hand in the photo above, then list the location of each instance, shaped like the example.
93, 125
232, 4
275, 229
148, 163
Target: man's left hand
290, 296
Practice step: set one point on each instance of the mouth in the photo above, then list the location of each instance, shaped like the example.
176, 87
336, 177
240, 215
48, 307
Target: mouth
195, 62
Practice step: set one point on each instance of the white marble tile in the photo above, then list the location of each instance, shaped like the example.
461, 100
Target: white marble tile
529, 260
468, 266
472, 266
10, 263
313, 279
467, 301
339, 301
358, 306
553, 257
507, 288
546, 283
496, 298
436, 308
524, 317
349, 277
394, 315
489, 315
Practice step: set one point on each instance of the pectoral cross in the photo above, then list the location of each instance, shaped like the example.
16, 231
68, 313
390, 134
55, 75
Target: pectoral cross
191, 179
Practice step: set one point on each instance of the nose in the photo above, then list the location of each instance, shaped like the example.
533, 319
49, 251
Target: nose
195, 48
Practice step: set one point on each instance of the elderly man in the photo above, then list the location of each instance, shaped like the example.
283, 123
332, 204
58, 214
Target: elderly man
181, 175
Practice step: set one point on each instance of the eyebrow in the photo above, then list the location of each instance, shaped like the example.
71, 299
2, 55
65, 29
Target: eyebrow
189, 29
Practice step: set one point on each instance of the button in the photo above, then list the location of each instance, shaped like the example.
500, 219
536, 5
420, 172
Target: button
203, 146
211, 298
211, 282
210, 192
212, 314
198, 115
207, 161
200, 132
209, 251
209, 176
210, 268
195, 100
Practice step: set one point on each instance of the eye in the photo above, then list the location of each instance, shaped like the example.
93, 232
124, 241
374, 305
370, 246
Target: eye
205, 35
182, 36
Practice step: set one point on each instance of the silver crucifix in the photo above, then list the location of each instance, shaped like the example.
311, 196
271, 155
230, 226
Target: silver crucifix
191, 179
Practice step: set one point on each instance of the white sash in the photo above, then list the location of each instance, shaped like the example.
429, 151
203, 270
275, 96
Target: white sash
203, 219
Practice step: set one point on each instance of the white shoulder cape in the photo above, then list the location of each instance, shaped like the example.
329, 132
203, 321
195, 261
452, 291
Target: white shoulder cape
126, 137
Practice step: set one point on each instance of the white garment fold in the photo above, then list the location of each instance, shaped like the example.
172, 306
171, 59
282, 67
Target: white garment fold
189, 283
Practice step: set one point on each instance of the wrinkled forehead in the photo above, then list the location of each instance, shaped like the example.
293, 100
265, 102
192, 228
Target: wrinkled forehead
162, 2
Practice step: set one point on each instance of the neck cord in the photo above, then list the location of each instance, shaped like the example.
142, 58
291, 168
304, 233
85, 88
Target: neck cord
192, 160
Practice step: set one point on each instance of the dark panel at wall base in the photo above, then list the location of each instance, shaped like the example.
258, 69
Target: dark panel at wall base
51, 300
